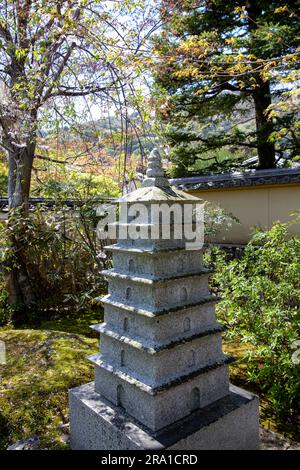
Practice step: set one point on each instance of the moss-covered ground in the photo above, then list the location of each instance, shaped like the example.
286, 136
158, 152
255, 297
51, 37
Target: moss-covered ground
44, 362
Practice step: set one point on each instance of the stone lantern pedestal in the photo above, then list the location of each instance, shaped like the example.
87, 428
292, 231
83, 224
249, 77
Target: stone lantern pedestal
161, 379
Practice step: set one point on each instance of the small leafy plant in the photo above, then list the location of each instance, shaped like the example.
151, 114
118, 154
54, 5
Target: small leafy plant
64, 259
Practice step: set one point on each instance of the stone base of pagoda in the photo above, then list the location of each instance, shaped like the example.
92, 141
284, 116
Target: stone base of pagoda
229, 423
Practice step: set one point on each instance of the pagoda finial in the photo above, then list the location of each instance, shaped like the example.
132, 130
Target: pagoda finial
155, 173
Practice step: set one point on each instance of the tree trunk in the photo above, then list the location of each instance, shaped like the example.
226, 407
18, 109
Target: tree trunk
264, 127
20, 286
261, 96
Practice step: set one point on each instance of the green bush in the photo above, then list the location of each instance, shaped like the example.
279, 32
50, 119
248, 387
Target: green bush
261, 305
5, 309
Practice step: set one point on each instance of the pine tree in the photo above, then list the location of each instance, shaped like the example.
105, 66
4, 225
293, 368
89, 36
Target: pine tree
222, 65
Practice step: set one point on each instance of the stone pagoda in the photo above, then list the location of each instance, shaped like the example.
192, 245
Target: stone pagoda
161, 379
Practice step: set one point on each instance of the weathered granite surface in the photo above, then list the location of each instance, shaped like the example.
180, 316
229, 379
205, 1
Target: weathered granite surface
270, 440
161, 361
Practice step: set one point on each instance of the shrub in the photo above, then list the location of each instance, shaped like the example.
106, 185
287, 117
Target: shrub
261, 305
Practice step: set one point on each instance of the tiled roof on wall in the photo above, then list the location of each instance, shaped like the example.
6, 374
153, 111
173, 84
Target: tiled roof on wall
238, 179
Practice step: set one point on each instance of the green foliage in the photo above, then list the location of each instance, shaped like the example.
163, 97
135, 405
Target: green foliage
41, 366
261, 305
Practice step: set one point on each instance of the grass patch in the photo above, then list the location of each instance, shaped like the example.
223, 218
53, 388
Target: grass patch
41, 366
